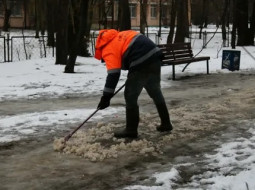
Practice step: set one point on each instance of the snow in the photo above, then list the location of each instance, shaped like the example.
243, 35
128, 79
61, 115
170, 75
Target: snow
164, 178
232, 167
38, 78
19, 126
41, 78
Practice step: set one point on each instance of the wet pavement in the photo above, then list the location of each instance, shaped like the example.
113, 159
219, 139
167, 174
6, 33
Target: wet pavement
32, 163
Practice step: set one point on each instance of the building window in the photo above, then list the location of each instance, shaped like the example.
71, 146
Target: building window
153, 11
15, 6
132, 10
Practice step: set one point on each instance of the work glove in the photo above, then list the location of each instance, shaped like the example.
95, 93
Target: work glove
104, 102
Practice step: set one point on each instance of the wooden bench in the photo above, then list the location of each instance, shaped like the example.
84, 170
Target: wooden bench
180, 53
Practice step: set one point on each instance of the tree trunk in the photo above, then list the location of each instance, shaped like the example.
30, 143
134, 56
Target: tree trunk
172, 22
112, 2
80, 35
143, 15
25, 14
124, 15
252, 27
205, 12
233, 35
204, 18
88, 28
160, 18
40, 14
61, 48
51, 10
7, 14
242, 22
104, 15
36, 20
182, 30
223, 22
62, 32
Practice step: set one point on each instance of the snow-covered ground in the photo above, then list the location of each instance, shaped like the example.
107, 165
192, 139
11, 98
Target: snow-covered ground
230, 167
41, 78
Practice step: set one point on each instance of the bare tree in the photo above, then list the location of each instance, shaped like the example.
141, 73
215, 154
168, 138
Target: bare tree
242, 22
234, 27
241, 25
160, 18
102, 17
62, 32
205, 12
40, 14
224, 21
51, 22
124, 19
7, 14
112, 13
172, 22
25, 14
105, 7
83, 25
143, 15
182, 30
204, 17
252, 26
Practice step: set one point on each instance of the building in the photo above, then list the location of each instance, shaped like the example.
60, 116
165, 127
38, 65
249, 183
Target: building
23, 12
152, 11
19, 14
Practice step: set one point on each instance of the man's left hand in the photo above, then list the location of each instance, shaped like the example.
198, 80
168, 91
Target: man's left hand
104, 102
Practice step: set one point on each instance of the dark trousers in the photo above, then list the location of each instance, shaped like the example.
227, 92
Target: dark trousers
148, 77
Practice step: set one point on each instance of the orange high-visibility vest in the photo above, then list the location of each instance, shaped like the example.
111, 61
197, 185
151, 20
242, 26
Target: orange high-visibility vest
111, 45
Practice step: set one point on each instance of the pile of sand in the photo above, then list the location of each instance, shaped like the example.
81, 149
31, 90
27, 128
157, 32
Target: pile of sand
189, 121
98, 143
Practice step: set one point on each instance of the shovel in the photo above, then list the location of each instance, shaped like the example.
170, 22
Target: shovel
76, 129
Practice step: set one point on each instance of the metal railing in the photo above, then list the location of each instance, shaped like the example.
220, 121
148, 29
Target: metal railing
18, 48
154, 36
2, 49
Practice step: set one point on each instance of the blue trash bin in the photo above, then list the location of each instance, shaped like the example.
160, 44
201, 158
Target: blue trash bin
231, 59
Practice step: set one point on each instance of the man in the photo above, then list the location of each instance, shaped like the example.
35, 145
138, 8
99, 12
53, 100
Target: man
132, 51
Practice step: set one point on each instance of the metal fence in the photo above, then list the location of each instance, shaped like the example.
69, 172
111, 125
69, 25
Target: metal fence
152, 35
18, 48
2, 49
194, 39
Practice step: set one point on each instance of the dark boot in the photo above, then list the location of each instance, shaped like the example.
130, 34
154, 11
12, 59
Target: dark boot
164, 117
132, 120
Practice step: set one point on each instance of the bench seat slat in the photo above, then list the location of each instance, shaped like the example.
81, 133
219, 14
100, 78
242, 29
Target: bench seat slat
181, 61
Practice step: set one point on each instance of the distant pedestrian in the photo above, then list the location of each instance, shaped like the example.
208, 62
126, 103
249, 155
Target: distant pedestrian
132, 51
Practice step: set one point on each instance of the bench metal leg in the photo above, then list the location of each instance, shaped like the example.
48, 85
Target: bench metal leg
173, 70
207, 65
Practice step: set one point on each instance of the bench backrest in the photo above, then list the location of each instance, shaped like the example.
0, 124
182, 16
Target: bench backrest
176, 51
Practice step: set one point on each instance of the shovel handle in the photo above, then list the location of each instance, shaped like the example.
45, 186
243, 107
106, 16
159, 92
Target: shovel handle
74, 131
67, 137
